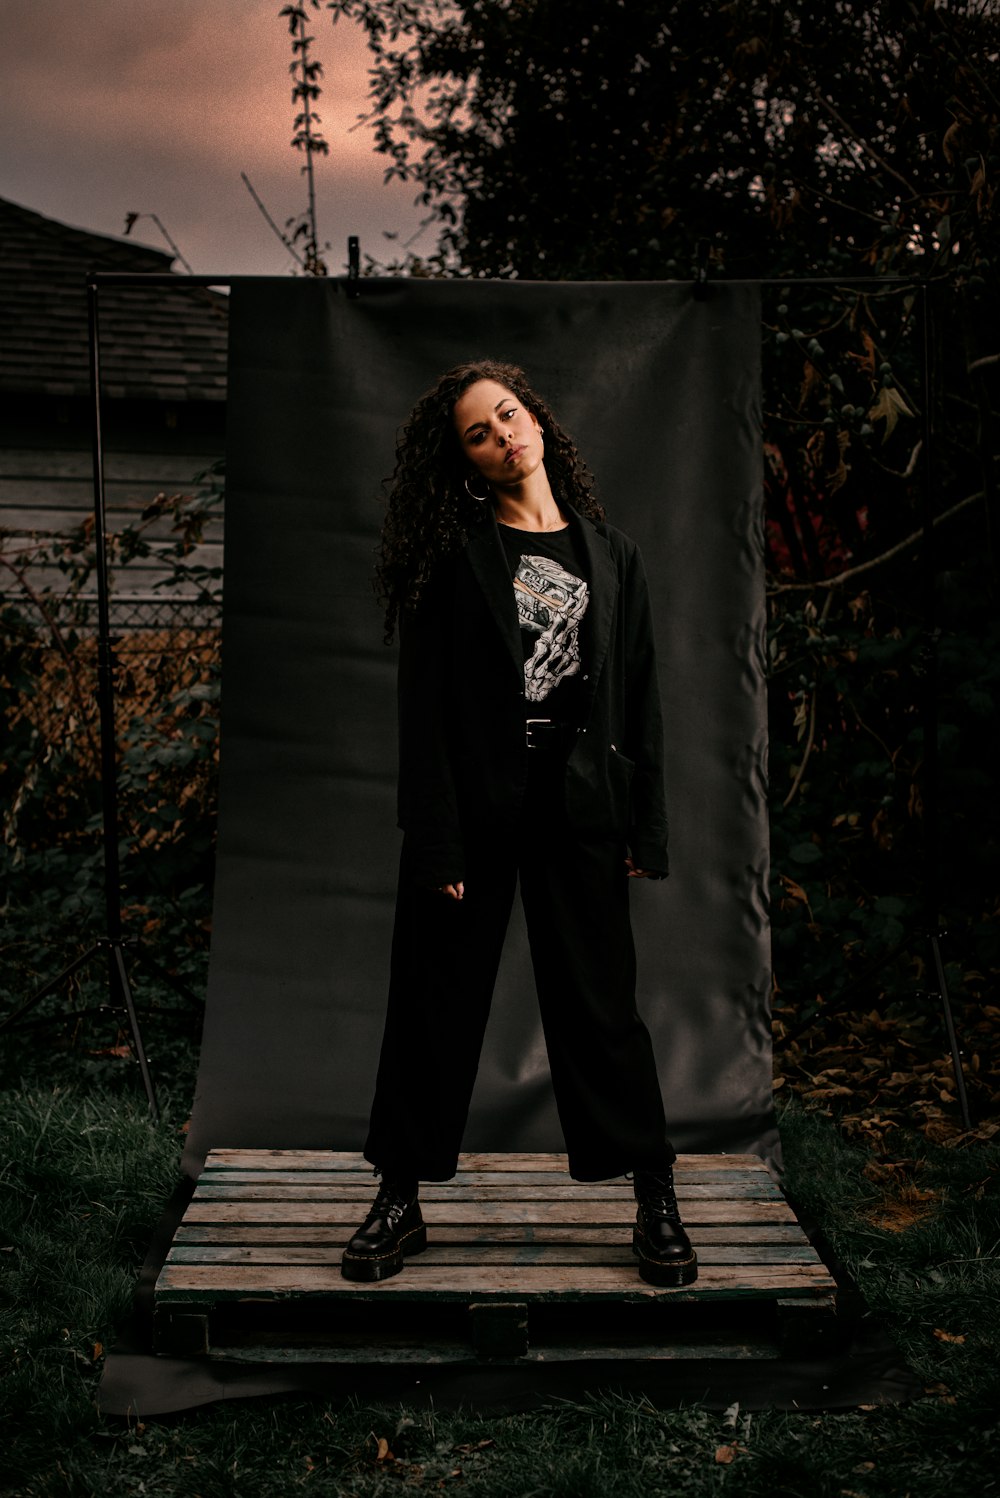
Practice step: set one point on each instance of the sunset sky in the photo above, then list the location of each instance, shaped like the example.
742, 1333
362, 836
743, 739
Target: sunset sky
156, 106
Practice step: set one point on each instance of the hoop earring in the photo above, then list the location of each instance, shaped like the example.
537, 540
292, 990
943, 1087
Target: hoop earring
480, 498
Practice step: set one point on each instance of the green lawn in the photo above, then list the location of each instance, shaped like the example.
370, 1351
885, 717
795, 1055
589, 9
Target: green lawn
86, 1177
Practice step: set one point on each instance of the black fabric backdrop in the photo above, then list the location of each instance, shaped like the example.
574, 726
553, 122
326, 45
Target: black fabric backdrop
661, 393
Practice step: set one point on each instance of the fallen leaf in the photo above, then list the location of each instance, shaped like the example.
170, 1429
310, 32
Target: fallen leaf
384, 1454
885, 1171
943, 1336
725, 1454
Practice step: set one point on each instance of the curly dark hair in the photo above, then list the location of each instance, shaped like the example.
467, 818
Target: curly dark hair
430, 513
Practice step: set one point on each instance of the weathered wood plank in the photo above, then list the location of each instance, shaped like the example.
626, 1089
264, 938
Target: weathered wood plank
272, 1234
21, 516
262, 1159
455, 1211
214, 1190
183, 1283
544, 1255
488, 1179
429, 1354
172, 471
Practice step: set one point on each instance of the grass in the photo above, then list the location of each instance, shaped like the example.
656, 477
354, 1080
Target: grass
85, 1179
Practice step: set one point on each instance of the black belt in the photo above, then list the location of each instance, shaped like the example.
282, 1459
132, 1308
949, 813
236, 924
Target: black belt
549, 734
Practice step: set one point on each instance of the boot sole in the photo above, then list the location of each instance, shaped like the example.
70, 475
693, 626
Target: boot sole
670, 1273
370, 1268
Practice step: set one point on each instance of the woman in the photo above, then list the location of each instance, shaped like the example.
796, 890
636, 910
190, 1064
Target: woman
530, 746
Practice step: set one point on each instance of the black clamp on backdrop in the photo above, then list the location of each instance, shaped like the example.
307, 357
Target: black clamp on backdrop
353, 266
701, 271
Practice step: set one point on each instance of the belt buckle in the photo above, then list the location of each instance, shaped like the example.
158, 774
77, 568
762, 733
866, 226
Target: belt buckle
532, 724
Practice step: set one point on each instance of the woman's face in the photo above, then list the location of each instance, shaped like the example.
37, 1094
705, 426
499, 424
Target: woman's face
499, 436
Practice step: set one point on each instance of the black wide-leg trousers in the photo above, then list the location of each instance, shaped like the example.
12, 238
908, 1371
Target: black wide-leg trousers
445, 957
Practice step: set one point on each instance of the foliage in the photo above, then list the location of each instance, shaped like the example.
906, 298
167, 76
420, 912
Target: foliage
306, 73
167, 689
789, 142
783, 141
607, 140
883, 656
82, 1186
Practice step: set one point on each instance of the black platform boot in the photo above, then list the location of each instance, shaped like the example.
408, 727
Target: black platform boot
658, 1240
392, 1229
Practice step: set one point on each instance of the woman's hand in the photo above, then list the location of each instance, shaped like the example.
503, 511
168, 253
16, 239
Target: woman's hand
633, 872
453, 891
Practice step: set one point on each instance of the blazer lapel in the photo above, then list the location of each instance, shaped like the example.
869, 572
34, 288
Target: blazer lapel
485, 554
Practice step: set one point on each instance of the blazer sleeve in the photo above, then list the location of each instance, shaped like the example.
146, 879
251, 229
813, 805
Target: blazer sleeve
648, 828
427, 807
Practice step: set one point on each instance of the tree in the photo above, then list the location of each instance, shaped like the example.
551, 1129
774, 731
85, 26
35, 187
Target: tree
639, 139
607, 139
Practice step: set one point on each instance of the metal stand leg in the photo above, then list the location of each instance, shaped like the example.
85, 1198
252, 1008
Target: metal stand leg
119, 985
949, 1020
43, 993
119, 979
119, 989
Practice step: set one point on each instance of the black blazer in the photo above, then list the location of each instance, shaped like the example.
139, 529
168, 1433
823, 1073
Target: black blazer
462, 753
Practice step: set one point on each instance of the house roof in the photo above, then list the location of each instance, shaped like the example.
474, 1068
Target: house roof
156, 343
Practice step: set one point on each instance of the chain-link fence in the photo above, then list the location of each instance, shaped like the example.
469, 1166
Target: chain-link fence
160, 646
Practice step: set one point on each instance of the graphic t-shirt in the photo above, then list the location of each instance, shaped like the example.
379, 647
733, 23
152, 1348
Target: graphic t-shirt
552, 599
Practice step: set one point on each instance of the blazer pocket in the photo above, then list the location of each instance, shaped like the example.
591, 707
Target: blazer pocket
620, 770
622, 761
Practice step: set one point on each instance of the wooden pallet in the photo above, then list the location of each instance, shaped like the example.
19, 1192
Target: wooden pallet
523, 1264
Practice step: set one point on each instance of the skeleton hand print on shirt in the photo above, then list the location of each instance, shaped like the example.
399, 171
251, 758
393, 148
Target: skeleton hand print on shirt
550, 603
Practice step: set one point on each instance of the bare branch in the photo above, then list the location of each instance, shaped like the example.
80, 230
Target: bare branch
894, 551
283, 237
831, 109
811, 736
131, 219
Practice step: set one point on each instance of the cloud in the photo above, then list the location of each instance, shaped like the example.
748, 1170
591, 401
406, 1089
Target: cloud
120, 105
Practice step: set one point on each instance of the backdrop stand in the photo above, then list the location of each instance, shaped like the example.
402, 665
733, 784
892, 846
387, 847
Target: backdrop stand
238, 1069
113, 942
